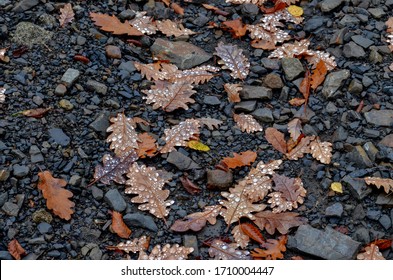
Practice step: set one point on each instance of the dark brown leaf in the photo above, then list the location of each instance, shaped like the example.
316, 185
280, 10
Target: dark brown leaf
253, 232
282, 222
119, 226
196, 221
189, 186
15, 249
276, 138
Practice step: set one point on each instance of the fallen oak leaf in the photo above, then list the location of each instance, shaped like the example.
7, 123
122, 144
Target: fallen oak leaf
215, 10
210, 123
239, 160
66, 14
236, 27
233, 91
135, 245
196, 221
305, 86
387, 184
224, 251
170, 28
177, 8
301, 149
276, 138
240, 237
146, 146
118, 225
371, 252
114, 25
189, 186
319, 74
15, 249
321, 151
281, 222
247, 123
295, 128
253, 232
297, 101
274, 249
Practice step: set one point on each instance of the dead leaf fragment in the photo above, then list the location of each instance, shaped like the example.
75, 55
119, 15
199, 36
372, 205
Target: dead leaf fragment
114, 25
387, 184
197, 221
35, 113
189, 186
15, 249
135, 245
276, 138
236, 27
282, 222
247, 123
180, 134
232, 58
274, 249
167, 252
233, 91
318, 75
119, 226
66, 14
3, 57
221, 250
146, 145
177, 8
239, 160
371, 253
253, 232
295, 128
170, 28
321, 151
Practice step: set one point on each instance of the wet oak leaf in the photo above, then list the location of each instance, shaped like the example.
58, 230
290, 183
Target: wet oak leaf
146, 146
282, 222
143, 23
177, 8
239, 160
292, 191
118, 225
305, 86
2, 95
197, 221
318, 75
15, 249
297, 101
321, 151
114, 25
253, 232
189, 186
171, 28
57, 198
295, 128
247, 123
220, 250
276, 138
371, 252
134, 246
302, 148
233, 91
66, 15
232, 58
167, 252
274, 249
210, 123
387, 184
240, 237
180, 134
236, 27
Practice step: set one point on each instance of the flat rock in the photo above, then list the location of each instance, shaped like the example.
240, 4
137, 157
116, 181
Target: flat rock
113, 51
29, 34
115, 200
385, 200
140, 220
211, 100
387, 141
101, 123
353, 50
358, 188
70, 76
385, 221
334, 210
362, 41
35, 154
256, 92
380, 117
359, 156
58, 136
24, 5
97, 87
263, 115
328, 5
11, 209
127, 66
181, 161
20, 171
377, 12
184, 55
219, 180
292, 68
191, 241
97, 193
246, 106
333, 82
328, 244
314, 23
362, 235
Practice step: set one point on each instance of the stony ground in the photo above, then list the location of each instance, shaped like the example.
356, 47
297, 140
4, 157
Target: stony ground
70, 140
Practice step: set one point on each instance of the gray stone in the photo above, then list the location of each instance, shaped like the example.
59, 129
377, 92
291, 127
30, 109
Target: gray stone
385, 200
373, 214
60, 90
89, 235
371, 150
219, 180
97, 193
362, 235
11, 209
3, 146
333, 82
183, 54
191, 241
359, 156
181, 161
127, 14
331, 108
245, 106
127, 66
24, 5
380, 117
292, 68
139, 220
328, 5
58, 136
328, 244
263, 115
37, 240
29, 34
101, 123
20, 171
113, 51
92, 250
362, 41
115, 200
348, 20
358, 188
314, 23
5, 255
269, 63
35, 154
367, 81
353, 50
211, 100
338, 36
44, 228
305, 115
250, 9
385, 221
3, 198
70, 76
355, 86
256, 92
97, 87
80, 40
358, 213
75, 180
375, 57
334, 210
376, 12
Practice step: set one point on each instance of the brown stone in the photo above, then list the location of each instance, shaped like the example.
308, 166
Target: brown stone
219, 180
113, 51
387, 141
273, 81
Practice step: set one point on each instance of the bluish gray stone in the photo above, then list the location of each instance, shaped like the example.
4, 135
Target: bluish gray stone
328, 5
181, 161
358, 188
127, 66
362, 41
385, 221
115, 200
97, 193
333, 82
97, 87
20, 171
380, 117
101, 123
58, 136
373, 214
263, 115
362, 235
353, 50
11, 209
139, 220
44, 228
35, 154
70, 76
246, 106
5, 255
211, 100
256, 92
24, 5
328, 244
334, 210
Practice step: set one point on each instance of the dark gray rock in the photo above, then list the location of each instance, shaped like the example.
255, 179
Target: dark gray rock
366, 81
359, 156
127, 14
3, 146
20, 171
89, 235
385, 200
181, 161
183, 54
314, 23
37, 240
97, 193
256, 92
386, 141
24, 5
328, 5
358, 213
139, 220
355, 86
334, 210
385, 221
5, 255
305, 115
328, 244
380, 117
358, 188
340, 134
377, 12
127, 66
348, 20
97, 87
92, 251
362, 235
101, 123
362, 41
269, 63
58, 136
11, 209
292, 68
371, 150
35, 154
375, 57
60, 90
245, 106
263, 115
3, 198
191, 241
44, 228
373, 214
219, 180
273, 81
115, 200
250, 9
70, 76
333, 82
353, 50
211, 100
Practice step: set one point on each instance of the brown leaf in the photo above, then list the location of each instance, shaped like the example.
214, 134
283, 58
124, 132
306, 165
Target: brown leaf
302, 148
167, 252
247, 123
220, 250
66, 15
321, 151
239, 160
36, 113
81, 58
277, 7
297, 101
180, 134
289, 192
170, 28
210, 123
319, 74
240, 237
119, 226
295, 128
113, 24
383, 244
236, 27
19, 51
263, 44
387, 184
147, 184
135, 245
389, 24
143, 23
233, 59
274, 249
190, 187
371, 253
282, 222
276, 138
146, 146
57, 198
15, 249
177, 8
216, 10
305, 85
197, 221
253, 232
233, 91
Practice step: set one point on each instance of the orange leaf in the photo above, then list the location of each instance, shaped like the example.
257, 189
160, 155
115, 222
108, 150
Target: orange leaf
276, 138
57, 198
319, 74
146, 145
36, 113
15, 249
274, 249
119, 226
277, 6
253, 232
235, 27
113, 24
238, 160
382, 244
167, 2
389, 24
297, 101
305, 86
178, 10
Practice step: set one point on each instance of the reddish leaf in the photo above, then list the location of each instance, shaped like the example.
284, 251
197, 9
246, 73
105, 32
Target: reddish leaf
113, 24
36, 113
253, 232
196, 221
293, 143
281, 222
189, 186
20, 51
238, 160
382, 244
15, 249
319, 74
236, 27
119, 226
274, 249
276, 138
81, 58
146, 145
177, 8
305, 86
277, 7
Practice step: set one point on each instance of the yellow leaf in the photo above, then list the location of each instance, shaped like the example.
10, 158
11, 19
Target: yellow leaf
337, 187
196, 145
294, 10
